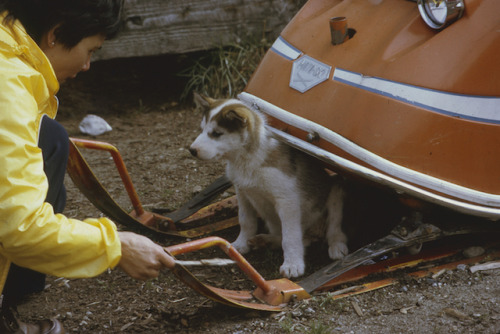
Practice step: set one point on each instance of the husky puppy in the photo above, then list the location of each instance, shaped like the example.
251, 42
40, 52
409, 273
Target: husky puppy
298, 200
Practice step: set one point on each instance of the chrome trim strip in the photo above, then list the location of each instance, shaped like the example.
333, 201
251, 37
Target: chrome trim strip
285, 49
395, 170
399, 186
476, 108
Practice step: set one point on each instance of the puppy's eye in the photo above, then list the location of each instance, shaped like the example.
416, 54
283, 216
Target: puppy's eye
215, 134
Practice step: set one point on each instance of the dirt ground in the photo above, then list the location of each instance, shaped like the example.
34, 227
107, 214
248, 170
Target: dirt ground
152, 129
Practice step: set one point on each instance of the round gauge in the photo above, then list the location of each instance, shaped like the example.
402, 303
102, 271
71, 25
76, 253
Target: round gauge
439, 13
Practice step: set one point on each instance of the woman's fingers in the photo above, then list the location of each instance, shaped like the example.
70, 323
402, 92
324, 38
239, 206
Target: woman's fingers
167, 260
141, 258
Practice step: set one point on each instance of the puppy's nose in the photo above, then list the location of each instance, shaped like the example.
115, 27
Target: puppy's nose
193, 151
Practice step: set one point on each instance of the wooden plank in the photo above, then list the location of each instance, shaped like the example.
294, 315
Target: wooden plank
154, 27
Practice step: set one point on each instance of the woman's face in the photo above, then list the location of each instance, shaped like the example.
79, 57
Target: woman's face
67, 63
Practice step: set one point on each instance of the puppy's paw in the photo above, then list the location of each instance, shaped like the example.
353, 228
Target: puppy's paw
241, 246
337, 250
265, 240
292, 269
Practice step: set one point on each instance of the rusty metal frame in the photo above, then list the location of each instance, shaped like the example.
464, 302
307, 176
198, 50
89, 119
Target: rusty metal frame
268, 296
83, 177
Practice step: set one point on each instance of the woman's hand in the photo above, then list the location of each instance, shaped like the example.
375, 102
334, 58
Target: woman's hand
141, 258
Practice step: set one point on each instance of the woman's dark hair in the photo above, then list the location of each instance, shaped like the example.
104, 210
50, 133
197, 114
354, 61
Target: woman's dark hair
74, 19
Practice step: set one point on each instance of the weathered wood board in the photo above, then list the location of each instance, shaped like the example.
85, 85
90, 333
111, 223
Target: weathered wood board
155, 27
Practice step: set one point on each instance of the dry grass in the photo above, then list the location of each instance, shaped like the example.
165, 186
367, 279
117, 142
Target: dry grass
225, 71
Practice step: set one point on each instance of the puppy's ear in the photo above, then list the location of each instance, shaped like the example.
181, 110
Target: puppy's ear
232, 120
202, 102
233, 115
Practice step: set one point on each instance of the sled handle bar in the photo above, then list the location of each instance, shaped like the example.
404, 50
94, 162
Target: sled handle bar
227, 248
120, 165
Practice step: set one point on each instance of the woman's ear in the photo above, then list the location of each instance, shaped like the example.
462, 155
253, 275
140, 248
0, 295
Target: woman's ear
49, 39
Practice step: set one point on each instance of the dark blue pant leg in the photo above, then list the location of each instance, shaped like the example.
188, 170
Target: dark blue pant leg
54, 143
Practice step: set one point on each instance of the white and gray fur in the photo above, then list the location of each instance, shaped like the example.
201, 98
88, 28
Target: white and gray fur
298, 200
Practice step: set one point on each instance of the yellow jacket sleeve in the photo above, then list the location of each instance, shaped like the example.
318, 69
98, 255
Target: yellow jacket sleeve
31, 235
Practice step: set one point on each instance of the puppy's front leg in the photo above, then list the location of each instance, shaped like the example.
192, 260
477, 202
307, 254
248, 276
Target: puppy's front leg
337, 240
292, 238
247, 217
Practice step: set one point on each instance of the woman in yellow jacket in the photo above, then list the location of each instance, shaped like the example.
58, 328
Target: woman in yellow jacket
43, 43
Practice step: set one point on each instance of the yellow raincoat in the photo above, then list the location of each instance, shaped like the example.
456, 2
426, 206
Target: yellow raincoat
31, 235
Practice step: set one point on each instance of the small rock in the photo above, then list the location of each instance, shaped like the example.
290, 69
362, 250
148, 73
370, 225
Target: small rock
197, 189
473, 251
405, 310
431, 281
309, 310
94, 125
456, 314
